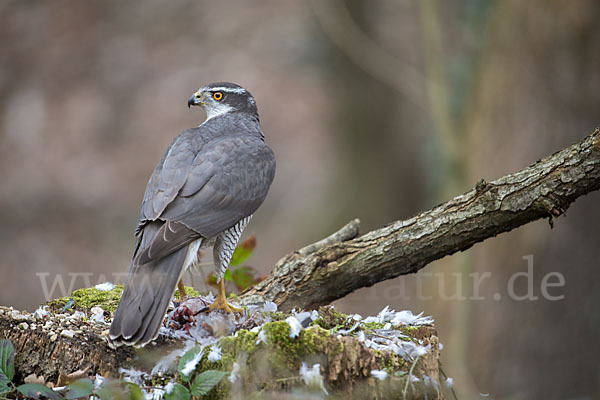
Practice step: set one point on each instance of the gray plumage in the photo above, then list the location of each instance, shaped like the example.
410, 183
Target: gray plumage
203, 191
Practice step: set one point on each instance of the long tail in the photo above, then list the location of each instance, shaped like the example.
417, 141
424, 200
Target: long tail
145, 299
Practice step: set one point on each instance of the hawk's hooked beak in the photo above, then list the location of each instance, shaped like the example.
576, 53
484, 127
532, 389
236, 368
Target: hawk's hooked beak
197, 99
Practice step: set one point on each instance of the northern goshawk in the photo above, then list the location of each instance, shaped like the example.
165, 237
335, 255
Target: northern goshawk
202, 193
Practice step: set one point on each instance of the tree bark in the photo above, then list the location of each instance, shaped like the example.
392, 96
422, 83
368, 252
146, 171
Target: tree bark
343, 263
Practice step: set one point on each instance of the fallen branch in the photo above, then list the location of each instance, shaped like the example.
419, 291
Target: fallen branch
326, 271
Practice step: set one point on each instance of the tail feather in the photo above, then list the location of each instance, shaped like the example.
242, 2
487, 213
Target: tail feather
145, 299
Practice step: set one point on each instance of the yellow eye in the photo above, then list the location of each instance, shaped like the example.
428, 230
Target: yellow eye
217, 96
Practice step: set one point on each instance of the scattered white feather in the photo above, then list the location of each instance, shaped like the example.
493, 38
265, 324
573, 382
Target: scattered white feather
41, 312
441, 346
406, 349
312, 376
165, 363
97, 314
387, 326
379, 374
164, 331
356, 317
314, 315
295, 326
256, 329
98, 381
235, 373
376, 346
77, 315
132, 375
106, 286
406, 317
155, 394
169, 387
213, 322
360, 336
303, 316
269, 306
215, 354
449, 382
386, 314
419, 351
348, 331
262, 337
191, 365
413, 350
429, 381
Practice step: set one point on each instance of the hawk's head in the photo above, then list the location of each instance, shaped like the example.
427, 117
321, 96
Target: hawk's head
222, 98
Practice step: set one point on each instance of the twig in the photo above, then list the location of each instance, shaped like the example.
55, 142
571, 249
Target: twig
347, 232
408, 379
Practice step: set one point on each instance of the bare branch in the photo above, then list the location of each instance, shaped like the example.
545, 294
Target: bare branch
307, 279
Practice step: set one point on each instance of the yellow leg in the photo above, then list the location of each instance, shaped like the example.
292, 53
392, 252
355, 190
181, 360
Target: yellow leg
221, 303
182, 294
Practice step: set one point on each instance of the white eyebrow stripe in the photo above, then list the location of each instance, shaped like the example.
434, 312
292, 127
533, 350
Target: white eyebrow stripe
224, 89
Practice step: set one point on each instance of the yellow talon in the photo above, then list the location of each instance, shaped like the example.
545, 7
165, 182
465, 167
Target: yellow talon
221, 303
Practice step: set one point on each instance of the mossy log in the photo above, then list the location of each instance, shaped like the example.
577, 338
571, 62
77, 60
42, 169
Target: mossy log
60, 347
57, 348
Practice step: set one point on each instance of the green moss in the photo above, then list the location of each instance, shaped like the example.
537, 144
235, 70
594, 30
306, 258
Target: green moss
275, 363
107, 299
372, 325
189, 291
408, 330
90, 297
288, 351
391, 362
330, 318
233, 346
277, 316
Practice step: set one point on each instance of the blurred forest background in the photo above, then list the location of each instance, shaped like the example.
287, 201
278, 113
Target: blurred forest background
375, 109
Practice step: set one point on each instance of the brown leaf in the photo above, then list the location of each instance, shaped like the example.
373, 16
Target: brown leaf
65, 379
